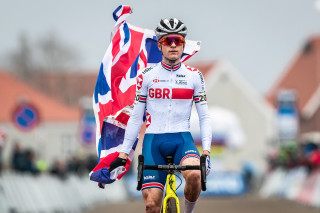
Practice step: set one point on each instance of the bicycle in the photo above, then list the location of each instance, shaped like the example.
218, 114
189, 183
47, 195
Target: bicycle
170, 202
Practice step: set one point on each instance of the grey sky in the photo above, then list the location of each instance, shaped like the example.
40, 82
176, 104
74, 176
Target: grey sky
259, 37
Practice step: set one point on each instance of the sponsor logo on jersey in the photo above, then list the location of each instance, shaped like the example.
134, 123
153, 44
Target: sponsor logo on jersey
180, 76
146, 70
190, 151
181, 82
155, 80
139, 81
202, 80
148, 119
149, 177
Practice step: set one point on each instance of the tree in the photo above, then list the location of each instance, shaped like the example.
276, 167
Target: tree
21, 59
34, 62
54, 55
49, 54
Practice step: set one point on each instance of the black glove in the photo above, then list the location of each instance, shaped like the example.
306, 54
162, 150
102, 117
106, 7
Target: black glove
116, 163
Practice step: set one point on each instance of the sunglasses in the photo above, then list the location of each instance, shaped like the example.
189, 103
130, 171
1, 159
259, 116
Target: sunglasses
168, 40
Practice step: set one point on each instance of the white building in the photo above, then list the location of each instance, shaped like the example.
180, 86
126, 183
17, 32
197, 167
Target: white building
245, 115
50, 128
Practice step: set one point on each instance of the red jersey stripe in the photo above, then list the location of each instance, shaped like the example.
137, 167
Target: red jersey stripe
153, 185
182, 93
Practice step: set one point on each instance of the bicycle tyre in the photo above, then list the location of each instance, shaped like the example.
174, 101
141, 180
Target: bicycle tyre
171, 205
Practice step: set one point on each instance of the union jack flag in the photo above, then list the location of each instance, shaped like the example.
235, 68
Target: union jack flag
131, 49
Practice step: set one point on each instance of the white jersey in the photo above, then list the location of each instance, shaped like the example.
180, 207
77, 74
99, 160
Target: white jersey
165, 94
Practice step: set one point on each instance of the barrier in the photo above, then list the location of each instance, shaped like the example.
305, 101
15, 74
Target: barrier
218, 184
296, 185
45, 193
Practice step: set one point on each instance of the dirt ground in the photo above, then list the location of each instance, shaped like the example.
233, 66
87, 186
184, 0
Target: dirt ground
243, 204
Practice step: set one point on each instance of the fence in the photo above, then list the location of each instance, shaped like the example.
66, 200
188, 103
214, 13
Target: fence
295, 184
20, 193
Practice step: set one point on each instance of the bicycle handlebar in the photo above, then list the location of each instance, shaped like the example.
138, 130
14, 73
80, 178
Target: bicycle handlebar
170, 168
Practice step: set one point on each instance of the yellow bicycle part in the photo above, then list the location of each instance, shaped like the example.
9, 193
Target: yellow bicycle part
170, 194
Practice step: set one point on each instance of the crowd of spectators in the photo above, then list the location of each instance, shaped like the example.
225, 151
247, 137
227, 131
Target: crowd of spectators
3, 137
25, 161
294, 154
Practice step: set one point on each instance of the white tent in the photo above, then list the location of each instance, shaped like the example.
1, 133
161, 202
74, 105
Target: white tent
227, 134
225, 125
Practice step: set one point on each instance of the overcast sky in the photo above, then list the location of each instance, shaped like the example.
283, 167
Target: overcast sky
259, 37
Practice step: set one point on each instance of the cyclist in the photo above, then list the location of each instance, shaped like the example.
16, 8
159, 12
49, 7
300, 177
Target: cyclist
165, 93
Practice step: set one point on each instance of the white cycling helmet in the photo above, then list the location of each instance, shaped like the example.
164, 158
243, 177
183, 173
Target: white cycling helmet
170, 26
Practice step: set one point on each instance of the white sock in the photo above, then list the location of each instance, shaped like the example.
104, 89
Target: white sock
189, 206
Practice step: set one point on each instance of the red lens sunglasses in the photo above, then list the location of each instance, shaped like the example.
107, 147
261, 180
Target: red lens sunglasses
168, 40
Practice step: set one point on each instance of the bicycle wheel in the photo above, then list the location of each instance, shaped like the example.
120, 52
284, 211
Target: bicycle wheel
171, 205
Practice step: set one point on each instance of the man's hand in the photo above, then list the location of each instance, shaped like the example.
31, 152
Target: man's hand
206, 152
117, 163
120, 161
208, 162
117, 167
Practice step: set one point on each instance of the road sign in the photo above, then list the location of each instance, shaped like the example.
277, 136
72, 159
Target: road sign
25, 117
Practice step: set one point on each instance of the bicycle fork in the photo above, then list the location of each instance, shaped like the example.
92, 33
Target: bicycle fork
171, 193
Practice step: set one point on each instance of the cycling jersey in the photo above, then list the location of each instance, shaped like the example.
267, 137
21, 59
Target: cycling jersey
166, 94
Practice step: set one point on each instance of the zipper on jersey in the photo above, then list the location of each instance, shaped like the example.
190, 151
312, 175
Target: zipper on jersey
170, 101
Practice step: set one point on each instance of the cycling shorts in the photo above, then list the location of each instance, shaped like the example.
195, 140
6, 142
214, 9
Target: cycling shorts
156, 147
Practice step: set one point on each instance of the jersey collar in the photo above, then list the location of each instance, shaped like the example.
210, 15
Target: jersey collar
169, 67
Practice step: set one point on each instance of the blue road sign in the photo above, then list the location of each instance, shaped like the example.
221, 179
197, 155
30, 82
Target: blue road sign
25, 117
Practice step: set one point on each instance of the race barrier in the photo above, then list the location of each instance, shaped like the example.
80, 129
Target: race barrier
218, 184
21, 193
295, 184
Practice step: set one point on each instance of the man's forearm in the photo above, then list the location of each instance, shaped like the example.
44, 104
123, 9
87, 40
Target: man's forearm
123, 155
206, 152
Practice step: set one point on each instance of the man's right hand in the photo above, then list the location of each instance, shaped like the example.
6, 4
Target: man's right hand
117, 167
117, 163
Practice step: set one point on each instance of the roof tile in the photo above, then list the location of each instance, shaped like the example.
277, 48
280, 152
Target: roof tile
12, 91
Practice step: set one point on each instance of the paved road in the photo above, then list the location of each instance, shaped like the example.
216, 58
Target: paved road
244, 204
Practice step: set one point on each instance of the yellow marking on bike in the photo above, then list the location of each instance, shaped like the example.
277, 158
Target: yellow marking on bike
171, 193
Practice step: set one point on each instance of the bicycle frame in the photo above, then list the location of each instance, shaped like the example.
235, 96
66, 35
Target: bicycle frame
170, 193
171, 168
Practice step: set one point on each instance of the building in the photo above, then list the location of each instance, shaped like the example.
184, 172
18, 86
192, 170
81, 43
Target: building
229, 93
303, 76
36, 121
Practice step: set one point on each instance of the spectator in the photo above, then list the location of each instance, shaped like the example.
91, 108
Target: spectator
59, 169
30, 165
3, 137
42, 165
91, 162
74, 165
18, 158
314, 159
248, 170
